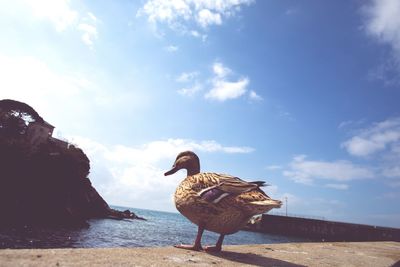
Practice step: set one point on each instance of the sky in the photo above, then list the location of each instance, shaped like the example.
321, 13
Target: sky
301, 94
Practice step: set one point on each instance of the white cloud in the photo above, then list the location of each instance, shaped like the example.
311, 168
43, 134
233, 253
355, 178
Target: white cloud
187, 76
166, 11
306, 171
379, 137
89, 33
223, 89
271, 190
66, 99
58, 12
351, 124
292, 200
92, 17
380, 144
386, 72
171, 48
274, 167
235, 149
254, 96
223, 86
392, 171
305, 205
184, 15
344, 124
190, 91
57, 96
338, 186
133, 176
195, 33
220, 70
88, 29
199, 35
30, 78
359, 146
206, 17
383, 22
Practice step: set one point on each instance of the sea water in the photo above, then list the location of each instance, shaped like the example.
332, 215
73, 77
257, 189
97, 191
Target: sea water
159, 229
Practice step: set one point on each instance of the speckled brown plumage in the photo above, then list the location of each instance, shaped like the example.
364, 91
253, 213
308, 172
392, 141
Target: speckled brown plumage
228, 215
216, 202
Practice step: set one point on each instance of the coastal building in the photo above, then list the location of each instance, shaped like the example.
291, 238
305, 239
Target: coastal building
41, 132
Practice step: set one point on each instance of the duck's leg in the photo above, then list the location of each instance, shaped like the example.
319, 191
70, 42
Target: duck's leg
197, 243
217, 247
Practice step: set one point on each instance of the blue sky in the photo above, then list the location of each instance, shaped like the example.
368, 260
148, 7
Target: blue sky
302, 94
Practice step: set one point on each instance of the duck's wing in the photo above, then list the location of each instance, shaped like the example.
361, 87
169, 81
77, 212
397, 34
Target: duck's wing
235, 185
227, 185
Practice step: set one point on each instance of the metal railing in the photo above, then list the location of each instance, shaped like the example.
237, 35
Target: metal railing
296, 215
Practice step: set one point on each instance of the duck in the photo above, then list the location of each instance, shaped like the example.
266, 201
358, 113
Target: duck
215, 202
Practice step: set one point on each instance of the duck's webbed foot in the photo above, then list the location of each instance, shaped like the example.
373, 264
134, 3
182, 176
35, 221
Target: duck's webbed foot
197, 243
217, 247
190, 247
213, 248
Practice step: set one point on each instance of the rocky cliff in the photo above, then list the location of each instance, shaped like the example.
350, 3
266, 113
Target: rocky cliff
46, 184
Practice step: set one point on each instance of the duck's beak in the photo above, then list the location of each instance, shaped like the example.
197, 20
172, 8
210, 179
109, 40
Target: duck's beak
171, 171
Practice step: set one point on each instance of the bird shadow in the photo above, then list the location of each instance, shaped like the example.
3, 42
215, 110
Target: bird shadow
252, 259
397, 264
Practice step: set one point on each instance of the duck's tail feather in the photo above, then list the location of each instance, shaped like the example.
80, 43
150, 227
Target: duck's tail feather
268, 202
263, 206
260, 183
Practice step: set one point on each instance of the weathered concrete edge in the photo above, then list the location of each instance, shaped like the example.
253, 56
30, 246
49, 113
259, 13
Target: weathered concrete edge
290, 254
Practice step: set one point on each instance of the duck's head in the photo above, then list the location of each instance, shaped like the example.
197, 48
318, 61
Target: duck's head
186, 160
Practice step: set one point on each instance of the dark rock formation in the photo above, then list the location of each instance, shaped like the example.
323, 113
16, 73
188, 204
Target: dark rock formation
47, 184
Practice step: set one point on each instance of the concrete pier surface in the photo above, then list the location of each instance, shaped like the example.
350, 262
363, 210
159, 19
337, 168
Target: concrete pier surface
290, 254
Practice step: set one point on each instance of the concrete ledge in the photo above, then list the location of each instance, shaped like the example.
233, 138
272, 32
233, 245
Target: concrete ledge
292, 254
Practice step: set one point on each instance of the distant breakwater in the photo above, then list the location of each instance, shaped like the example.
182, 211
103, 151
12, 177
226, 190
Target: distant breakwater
322, 230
